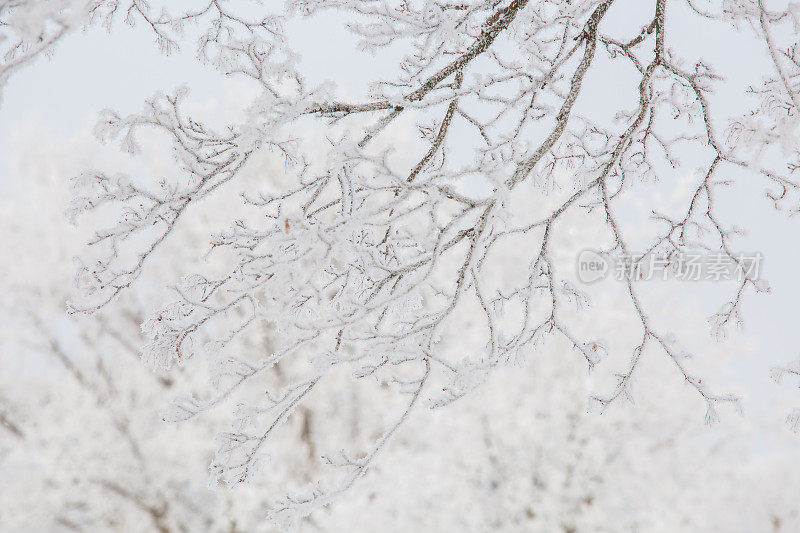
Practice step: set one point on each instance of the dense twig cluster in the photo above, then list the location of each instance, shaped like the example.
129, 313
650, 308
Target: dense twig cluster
365, 261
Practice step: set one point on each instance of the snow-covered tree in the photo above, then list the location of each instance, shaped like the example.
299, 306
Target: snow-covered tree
363, 255
84, 447
81, 447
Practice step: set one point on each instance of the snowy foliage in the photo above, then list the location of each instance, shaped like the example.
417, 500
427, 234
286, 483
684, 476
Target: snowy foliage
365, 257
364, 260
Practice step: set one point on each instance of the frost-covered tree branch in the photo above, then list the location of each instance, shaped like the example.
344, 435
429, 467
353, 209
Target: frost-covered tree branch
368, 257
